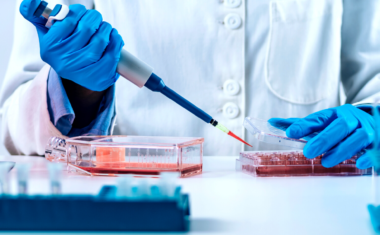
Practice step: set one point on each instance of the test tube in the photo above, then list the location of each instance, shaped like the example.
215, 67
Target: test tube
144, 189
22, 177
5, 167
55, 174
168, 183
124, 187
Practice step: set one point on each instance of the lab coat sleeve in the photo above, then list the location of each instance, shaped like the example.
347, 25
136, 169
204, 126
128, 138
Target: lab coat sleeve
26, 125
360, 56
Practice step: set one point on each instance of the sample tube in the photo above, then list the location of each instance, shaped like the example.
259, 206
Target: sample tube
4, 179
144, 188
55, 174
168, 183
22, 177
124, 187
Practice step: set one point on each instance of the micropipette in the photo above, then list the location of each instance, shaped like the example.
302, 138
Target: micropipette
136, 71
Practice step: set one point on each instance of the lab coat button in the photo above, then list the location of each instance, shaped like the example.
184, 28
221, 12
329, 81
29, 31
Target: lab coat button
232, 21
232, 3
231, 87
230, 110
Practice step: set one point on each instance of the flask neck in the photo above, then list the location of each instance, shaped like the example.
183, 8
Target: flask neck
55, 150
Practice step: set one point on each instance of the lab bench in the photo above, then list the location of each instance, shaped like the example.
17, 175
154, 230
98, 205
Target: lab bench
224, 201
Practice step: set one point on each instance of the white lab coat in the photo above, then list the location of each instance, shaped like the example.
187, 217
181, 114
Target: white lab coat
286, 59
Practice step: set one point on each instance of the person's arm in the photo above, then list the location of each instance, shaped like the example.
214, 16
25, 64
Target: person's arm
25, 61
85, 102
64, 104
346, 130
26, 125
360, 56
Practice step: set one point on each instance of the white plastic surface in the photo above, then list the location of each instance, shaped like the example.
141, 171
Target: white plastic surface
224, 201
60, 16
133, 69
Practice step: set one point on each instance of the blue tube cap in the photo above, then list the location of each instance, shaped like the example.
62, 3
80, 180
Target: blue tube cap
40, 9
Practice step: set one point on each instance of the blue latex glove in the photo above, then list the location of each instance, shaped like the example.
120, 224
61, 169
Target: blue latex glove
344, 131
82, 47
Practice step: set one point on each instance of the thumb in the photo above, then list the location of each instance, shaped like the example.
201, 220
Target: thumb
282, 123
27, 9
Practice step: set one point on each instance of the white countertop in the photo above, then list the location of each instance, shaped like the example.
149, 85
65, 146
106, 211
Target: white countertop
224, 201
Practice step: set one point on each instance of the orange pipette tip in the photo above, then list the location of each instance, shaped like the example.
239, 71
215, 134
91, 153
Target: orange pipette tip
230, 133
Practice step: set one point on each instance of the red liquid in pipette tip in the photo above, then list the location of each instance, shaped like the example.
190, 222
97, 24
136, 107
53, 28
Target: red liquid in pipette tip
230, 133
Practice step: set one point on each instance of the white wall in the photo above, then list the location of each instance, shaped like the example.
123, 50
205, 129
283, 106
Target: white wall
8, 10
6, 31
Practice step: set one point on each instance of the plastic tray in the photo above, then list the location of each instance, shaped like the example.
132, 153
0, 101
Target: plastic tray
104, 212
264, 131
293, 163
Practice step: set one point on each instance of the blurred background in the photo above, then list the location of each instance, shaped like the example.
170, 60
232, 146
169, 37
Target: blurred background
6, 41
6, 29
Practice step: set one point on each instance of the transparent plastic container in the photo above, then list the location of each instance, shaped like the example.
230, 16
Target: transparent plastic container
293, 163
264, 131
117, 155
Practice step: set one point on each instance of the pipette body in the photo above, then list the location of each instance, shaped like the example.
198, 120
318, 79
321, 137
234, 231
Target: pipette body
136, 71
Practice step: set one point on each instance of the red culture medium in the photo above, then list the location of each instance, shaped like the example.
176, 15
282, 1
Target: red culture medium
293, 163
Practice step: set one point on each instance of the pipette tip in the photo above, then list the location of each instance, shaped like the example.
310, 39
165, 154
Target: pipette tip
230, 133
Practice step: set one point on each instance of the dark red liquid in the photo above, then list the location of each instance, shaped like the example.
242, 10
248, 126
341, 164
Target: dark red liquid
275, 163
142, 168
304, 170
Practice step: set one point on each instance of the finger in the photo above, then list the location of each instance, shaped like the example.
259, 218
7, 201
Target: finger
87, 26
63, 29
339, 129
353, 144
107, 64
27, 9
312, 123
282, 123
364, 161
94, 51
112, 56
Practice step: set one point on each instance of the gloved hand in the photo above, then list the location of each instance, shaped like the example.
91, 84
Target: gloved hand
344, 131
82, 47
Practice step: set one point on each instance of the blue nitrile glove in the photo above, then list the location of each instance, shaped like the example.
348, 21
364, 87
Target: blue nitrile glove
82, 47
344, 131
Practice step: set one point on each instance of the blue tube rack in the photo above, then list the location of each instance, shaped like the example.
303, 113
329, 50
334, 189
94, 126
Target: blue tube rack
103, 212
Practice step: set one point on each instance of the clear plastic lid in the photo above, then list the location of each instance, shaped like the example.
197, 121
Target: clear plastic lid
264, 131
118, 155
